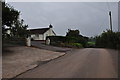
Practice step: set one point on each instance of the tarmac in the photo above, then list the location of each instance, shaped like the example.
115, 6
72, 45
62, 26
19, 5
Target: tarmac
19, 59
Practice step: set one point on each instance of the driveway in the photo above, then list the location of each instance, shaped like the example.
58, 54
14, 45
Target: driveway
48, 47
81, 63
18, 59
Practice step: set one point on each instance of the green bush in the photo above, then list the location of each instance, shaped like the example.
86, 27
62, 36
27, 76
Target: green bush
108, 39
73, 45
90, 44
57, 40
78, 45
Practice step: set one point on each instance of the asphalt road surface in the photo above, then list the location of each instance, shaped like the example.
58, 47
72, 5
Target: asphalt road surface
49, 47
80, 63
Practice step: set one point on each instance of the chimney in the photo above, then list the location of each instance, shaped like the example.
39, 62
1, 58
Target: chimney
50, 26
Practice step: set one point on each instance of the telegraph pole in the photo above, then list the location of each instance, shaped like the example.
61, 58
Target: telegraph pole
110, 20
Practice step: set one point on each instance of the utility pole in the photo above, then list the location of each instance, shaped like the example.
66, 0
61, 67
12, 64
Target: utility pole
110, 20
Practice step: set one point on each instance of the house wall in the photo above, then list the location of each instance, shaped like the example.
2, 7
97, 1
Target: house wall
43, 36
37, 36
49, 33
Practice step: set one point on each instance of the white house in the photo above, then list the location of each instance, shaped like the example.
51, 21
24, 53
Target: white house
41, 33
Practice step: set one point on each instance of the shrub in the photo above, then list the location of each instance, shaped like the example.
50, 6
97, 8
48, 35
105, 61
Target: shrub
74, 45
78, 45
90, 44
56, 40
108, 39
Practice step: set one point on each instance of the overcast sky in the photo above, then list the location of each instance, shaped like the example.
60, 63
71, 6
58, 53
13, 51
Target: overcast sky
91, 18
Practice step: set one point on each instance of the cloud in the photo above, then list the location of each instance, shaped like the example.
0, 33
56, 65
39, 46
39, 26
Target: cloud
91, 18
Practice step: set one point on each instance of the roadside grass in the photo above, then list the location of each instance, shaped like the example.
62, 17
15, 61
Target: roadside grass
68, 45
74, 45
90, 44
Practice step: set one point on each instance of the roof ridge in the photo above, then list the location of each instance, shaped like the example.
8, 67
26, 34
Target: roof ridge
38, 28
38, 31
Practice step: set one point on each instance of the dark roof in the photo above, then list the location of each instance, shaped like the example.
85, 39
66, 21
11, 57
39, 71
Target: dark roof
38, 31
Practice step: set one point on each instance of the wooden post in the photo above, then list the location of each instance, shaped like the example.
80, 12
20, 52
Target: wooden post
110, 20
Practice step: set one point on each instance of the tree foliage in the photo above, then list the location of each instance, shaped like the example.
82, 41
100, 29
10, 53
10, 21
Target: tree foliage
108, 39
10, 18
9, 15
73, 33
74, 36
19, 30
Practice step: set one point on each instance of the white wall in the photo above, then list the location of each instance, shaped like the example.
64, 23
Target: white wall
37, 36
43, 36
49, 33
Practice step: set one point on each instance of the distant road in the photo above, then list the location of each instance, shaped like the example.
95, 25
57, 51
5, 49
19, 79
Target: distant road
80, 63
48, 47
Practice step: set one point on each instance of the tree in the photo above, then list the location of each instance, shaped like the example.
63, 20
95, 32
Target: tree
9, 15
20, 30
74, 36
108, 39
10, 18
73, 33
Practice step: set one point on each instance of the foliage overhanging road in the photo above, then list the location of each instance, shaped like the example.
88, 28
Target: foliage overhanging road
81, 63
